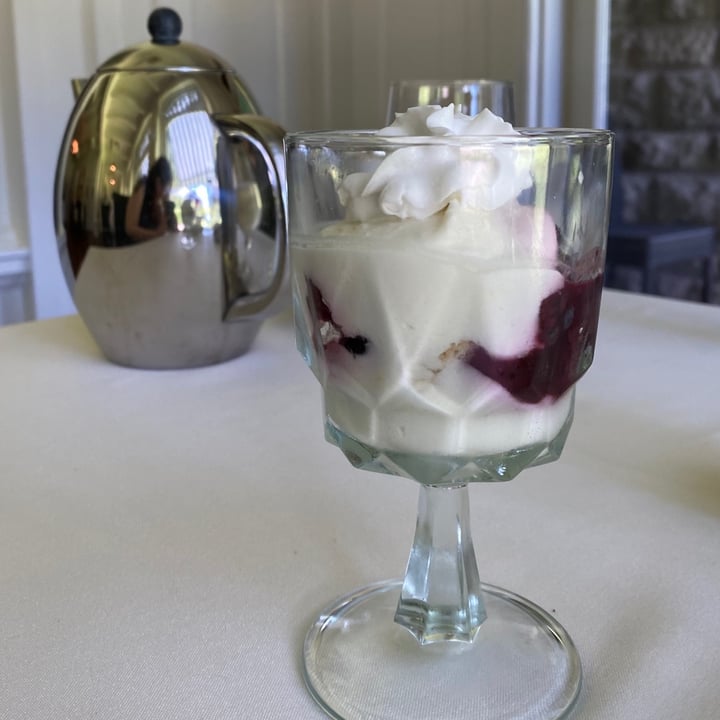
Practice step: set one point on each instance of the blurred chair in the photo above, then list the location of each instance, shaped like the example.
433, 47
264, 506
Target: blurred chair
649, 247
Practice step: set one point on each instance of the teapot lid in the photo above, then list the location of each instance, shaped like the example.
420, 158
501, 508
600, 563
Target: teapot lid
165, 51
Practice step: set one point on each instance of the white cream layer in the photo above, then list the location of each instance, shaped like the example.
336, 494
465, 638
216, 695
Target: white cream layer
416, 287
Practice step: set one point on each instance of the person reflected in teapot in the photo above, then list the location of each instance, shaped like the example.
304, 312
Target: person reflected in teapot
150, 213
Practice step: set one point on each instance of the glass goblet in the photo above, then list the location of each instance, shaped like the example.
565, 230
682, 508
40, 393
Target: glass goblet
448, 347
469, 96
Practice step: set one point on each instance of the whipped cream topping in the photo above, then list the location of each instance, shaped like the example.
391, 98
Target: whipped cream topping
428, 120
419, 181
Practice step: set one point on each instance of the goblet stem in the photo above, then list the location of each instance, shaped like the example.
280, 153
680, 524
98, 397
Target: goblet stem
440, 598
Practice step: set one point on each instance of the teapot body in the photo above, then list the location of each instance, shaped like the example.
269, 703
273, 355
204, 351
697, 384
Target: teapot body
170, 232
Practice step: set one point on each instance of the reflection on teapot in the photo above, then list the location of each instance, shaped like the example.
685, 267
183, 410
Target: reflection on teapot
170, 206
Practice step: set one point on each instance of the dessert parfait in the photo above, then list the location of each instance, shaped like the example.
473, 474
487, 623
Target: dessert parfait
447, 275
443, 305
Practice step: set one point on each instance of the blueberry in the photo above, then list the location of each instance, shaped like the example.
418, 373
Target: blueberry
356, 345
326, 327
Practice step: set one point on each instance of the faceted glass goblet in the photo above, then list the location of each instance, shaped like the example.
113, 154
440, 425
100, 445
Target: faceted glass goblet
469, 96
448, 342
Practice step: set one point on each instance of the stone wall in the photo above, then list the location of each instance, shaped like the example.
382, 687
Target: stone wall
665, 106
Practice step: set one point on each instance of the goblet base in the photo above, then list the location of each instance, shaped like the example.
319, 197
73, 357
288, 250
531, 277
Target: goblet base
360, 665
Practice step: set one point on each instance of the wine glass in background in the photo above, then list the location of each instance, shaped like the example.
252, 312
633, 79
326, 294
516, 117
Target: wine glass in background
469, 96
448, 347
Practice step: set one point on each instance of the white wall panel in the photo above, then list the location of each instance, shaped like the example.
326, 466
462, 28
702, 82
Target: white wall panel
12, 217
49, 53
587, 32
301, 78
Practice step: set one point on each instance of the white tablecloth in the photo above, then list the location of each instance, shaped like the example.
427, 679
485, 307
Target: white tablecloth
167, 537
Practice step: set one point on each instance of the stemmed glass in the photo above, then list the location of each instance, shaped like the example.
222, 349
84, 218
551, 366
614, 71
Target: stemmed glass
469, 96
448, 347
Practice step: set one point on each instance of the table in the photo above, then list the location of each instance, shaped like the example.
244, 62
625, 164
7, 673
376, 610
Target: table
166, 537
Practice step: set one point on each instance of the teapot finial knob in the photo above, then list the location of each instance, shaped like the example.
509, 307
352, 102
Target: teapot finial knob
165, 26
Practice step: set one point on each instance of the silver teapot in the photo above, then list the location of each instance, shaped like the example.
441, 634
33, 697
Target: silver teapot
170, 205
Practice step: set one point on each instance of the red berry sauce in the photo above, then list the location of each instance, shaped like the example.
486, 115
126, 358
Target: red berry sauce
564, 345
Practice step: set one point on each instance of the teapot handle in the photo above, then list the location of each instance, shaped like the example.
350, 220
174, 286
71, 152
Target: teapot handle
78, 85
266, 137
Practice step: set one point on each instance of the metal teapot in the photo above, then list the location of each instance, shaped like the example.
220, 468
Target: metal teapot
170, 206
